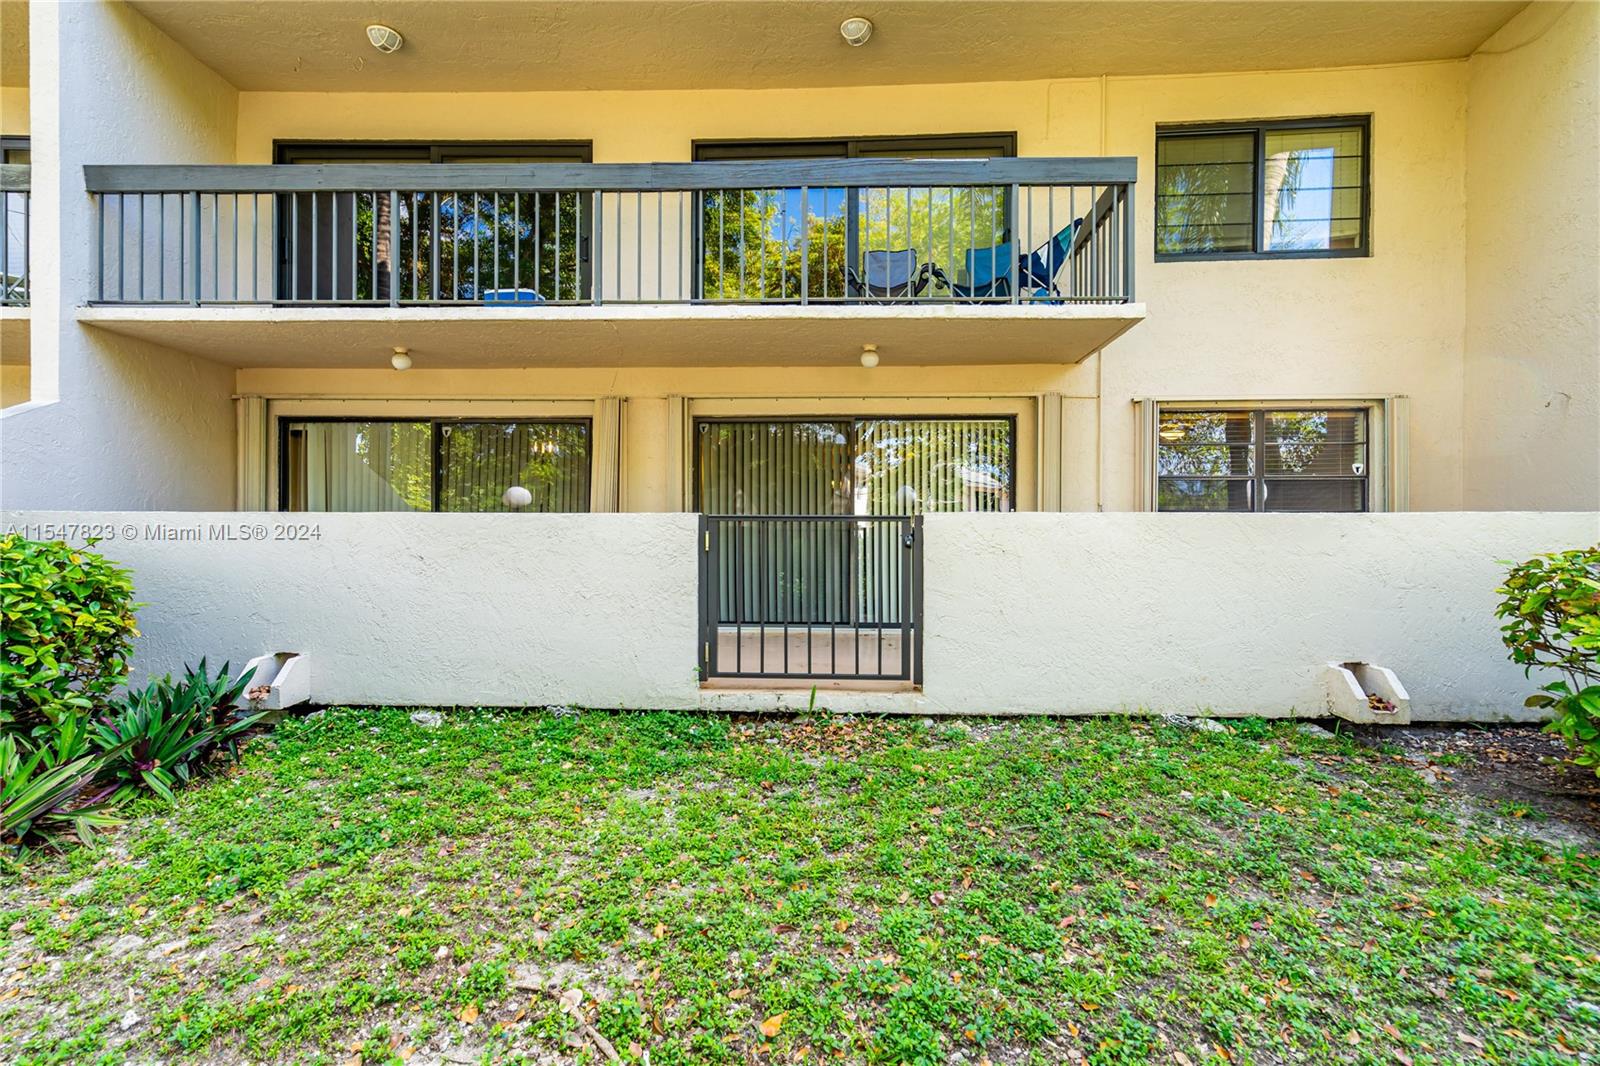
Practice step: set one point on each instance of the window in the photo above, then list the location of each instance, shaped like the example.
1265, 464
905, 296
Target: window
16, 150
1293, 189
1263, 460
336, 245
432, 465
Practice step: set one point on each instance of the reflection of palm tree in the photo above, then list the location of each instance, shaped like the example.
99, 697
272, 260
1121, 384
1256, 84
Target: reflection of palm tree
1194, 201
1280, 181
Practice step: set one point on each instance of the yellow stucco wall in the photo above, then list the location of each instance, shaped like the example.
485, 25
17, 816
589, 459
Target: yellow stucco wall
1363, 328
15, 120
1532, 416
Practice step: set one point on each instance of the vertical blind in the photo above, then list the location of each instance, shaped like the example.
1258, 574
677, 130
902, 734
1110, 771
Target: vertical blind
432, 465
877, 466
837, 573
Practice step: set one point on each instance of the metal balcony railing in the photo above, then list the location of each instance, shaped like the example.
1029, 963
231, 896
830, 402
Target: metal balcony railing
15, 190
1039, 231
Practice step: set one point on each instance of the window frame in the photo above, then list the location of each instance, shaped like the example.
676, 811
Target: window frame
9, 144
1258, 129
436, 450
1376, 489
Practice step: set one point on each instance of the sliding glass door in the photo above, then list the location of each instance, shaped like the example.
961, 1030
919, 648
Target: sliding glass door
855, 242
433, 465
839, 572
458, 245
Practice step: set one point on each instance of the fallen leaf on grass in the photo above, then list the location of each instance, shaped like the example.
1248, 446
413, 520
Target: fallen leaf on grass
739, 993
770, 1027
1211, 900
469, 1013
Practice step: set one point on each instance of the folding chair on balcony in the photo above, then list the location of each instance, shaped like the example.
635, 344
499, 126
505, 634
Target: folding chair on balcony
1041, 266
890, 274
988, 273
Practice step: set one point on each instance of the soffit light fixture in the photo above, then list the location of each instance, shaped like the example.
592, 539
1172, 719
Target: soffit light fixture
401, 359
856, 31
1171, 431
869, 355
385, 39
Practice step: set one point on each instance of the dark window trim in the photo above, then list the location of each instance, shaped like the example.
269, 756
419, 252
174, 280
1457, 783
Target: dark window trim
426, 151
758, 420
1258, 413
436, 446
744, 148
1258, 129
14, 144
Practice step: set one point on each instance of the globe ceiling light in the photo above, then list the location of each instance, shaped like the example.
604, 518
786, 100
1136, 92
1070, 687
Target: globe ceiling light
856, 31
385, 39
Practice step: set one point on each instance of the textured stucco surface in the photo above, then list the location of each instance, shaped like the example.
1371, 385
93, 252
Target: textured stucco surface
1043, 613
1352, 329
1227, 614
116, 422
597, 610
1533, 277
484, 44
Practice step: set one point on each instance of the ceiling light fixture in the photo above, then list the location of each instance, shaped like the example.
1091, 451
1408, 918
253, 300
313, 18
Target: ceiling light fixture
1171, 431
401, 359
869, 355
385, 39
856, 31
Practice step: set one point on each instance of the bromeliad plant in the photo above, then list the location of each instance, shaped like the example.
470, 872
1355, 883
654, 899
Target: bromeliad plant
46, 793
1551, 605
162, 735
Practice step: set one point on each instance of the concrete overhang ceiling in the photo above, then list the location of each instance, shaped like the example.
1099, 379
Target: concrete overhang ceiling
525, 45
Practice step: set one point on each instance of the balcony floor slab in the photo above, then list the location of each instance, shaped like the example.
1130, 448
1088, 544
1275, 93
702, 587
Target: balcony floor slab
624, 335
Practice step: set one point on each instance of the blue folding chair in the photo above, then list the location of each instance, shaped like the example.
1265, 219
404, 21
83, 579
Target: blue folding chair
988, 273
1040, 268
890, 274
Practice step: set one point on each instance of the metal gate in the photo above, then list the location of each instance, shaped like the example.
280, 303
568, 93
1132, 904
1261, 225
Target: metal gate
811, 597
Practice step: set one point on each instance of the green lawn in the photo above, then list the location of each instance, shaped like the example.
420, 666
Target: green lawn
1103, 890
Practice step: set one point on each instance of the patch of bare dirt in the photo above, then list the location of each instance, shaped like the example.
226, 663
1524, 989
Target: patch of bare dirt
1516, 765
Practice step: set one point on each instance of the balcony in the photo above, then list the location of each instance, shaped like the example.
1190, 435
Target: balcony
736, 263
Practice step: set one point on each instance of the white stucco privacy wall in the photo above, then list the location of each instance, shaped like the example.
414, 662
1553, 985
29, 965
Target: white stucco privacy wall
1025, 613
453, 610
1229, 614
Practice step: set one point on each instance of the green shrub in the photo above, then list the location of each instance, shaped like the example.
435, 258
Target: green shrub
161, 735
67, 626
1551, 605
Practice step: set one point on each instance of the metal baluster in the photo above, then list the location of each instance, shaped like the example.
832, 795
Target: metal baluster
314, 227
100, 247
596, 267
216, 248
394, 247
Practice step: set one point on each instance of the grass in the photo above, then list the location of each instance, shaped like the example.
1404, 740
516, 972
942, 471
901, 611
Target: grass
817, 889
